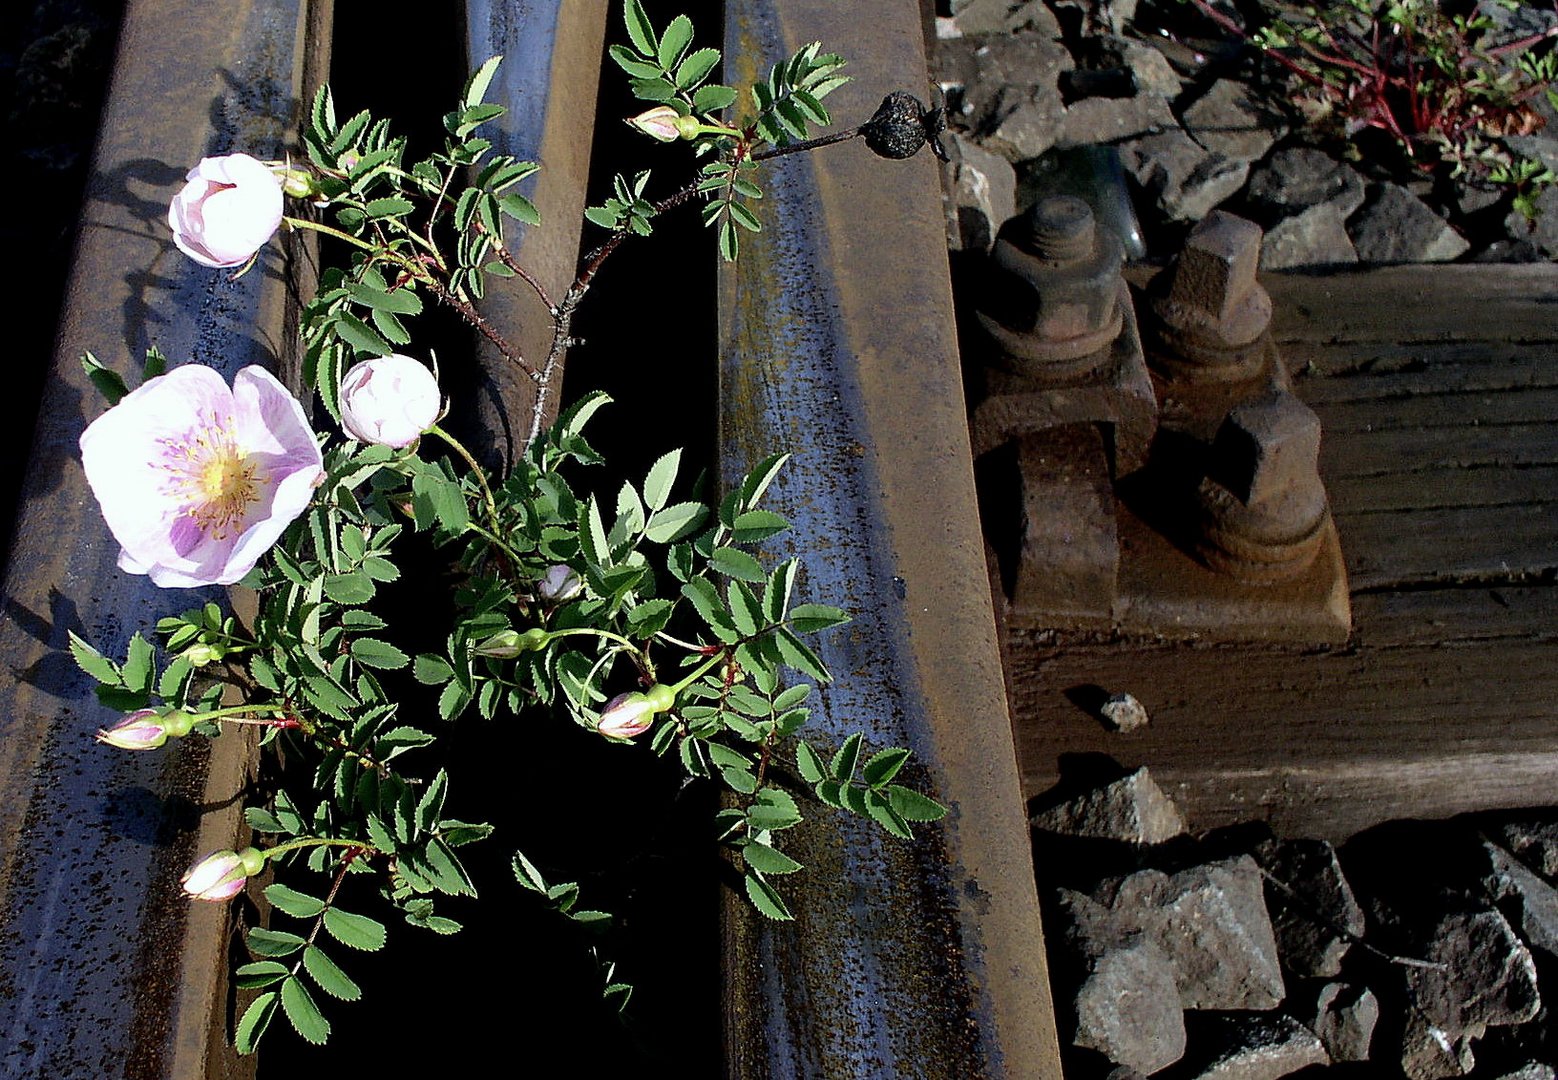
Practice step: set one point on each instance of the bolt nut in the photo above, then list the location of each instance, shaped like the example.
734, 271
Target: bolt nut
1211, 313
1053, 303
1263, 505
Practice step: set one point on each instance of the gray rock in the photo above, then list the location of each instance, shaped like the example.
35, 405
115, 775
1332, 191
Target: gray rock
1470, 198
1428, 1052
1344, 1019
1512, 22
988, 78
981, 193
1313, 911
1005, 17
1029, 127
1534, 1070
1294, 180
1534, 901
1133, 809
1253, 1046
1128, 1010
1397, 227
1212, 924
1485, 975
1185, 181
1124, 713
1543, 147
1543, 235
1316, 237
1228, 120
1119, 14
1151, 70
1110, 120
1534, 843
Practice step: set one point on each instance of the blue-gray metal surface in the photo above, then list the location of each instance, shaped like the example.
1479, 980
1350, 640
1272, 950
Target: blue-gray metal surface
837, 344
548, 79
105, 969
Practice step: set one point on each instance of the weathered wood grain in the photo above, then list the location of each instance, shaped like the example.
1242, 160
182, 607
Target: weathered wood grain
1438, 391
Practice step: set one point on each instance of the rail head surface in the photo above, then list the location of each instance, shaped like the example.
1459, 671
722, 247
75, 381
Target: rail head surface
837, 344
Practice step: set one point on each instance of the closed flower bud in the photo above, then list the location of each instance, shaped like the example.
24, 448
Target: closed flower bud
228, 210
140, 730
507, 644
298, 183
626, 715
220, 876
389, 400
201, 654
559, 585
658, 123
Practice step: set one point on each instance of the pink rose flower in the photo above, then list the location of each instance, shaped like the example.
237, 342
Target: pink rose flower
220, 875
390, 400
626, 715
657, 123
560, 584
140, 730
228, 210
195, 480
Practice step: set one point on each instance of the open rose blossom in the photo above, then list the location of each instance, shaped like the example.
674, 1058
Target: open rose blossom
389, 400
197, 481
228, 210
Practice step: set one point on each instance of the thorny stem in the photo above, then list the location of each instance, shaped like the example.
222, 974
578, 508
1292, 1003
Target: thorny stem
474, 317
319, 920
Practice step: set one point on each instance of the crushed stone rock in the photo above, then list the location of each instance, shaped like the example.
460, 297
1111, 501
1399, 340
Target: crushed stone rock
1132, 808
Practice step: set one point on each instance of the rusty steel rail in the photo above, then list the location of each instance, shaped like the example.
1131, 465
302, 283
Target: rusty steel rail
107, 971
550, 73
837, 343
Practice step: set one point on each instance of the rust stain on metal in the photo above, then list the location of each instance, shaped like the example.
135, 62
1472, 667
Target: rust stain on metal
921, 960
105, 969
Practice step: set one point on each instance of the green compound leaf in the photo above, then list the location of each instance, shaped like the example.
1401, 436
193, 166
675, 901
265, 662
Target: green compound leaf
677, 36
738, 564
259, 974
306, 1018
766, 899
773, 810
767, 860
256, 1018
884, 765
354, 931
662, 474
640, 32
810, 763
912, 806
671, 523
481, 78
263, 942
809, 618
847, 758
713, 97
330, 978
298, 905
93, 662
371, 652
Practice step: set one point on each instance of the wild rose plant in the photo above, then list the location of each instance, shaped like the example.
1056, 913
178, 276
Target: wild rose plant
651, 621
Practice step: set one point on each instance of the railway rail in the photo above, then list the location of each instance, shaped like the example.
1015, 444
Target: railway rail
837, 343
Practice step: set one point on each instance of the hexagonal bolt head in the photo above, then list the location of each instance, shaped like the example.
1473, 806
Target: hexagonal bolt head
1056, 292
1213, 289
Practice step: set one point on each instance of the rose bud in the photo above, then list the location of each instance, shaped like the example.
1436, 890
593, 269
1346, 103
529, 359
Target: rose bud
220, 876
389, 400
228, 210
140, 730
559, 585
658, 123
298, 183
626, 715
507, 644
